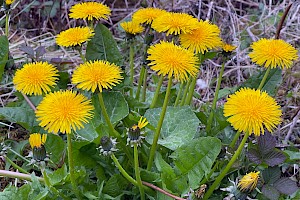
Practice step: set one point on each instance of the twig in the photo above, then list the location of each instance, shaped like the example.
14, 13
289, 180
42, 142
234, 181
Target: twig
295, 119
162, 191
29, 102
277, 35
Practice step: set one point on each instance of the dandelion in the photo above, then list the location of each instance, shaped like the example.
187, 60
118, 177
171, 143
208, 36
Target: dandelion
206, 36
9, 2
99, 73
108, 145
228, 47
251, 110
132, 27
172, 60
89, 11
74, 36
175, 23
135, 135
249, 181
63, 110
35, 78
147, 15
37, 141
273, 53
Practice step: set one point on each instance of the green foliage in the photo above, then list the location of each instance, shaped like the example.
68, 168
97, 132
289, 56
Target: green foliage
4, 50
180, 126
103, 46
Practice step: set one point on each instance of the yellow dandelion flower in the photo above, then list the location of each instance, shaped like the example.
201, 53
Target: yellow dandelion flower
63, 110
74, 36
89, 11
147, 15
205, 37
172, 60
35, 78
249, 181
99, 73
132, 27
8, 2
228, 47
37, 140
273, 53
175, 23
251, 110
141, 124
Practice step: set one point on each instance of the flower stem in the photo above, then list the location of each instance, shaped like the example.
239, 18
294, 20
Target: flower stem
138, 91
236, 137
16, 166
112, 131
126, 175
214, 104
179, 94
7, 23
81, 56
71, 167
157, 91
137, 171
159, 125
227, 168
18, 175
131, 64
261, 85
49, 186
191, 92
185, 92
144, 86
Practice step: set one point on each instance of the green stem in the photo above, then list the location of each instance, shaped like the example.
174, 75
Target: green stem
185, 92
179, 94
16, 166
71, 167
214, 104
138, 91
7, 23
137, 172
227, 168
131, 64
112, 131
50, 187
191, 92
10, 174
144, 86
81, 56
210, 173
236, 137
126, 175
159, 125
264, 79
161, 79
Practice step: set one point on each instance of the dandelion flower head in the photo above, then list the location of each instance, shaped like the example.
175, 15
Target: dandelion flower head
205, 37
249, 181
132, 27
172, 60
147, 15
99, 73
9, 2
141, 124
251, 110
273, 53
74, 36
89, 11
63, 111
37, 140
174, 23
35, 78
228, 47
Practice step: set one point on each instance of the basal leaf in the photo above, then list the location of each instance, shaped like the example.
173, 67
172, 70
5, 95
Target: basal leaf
103, 46
286, 186
274, 157
56, 147
271, 174
179, 126
4, 50
89, 132
294, 155
58, 176
195, 159
115, 185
